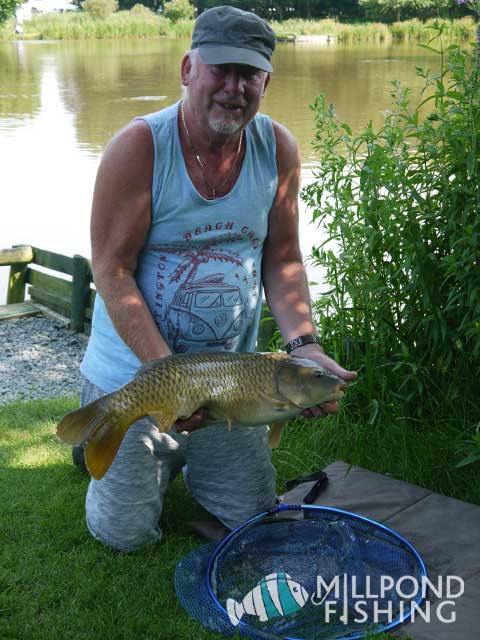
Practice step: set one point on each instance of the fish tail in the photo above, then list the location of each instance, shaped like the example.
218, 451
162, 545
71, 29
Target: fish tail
77, 426
101, 428
235, 611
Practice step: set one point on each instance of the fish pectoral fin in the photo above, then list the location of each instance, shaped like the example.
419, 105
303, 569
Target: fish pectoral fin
164, 419
279, 405
275, 434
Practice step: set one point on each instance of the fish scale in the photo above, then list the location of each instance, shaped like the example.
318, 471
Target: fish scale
237, 388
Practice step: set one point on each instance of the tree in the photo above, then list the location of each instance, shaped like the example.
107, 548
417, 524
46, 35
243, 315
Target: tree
178, 10
100, 8
154, 5
282, 9
7, 9
391, 10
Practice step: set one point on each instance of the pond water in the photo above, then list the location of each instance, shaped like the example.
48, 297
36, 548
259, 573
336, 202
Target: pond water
60, 103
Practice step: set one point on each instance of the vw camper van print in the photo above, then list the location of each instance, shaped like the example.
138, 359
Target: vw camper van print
205, 313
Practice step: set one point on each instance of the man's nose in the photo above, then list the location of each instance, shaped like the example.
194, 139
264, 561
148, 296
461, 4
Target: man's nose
234, 82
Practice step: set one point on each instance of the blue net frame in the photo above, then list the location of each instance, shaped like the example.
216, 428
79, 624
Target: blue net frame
352, 554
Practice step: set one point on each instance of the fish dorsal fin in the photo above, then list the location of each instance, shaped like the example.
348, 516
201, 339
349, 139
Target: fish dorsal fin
274, 355
275, 434
164, 419
151, 364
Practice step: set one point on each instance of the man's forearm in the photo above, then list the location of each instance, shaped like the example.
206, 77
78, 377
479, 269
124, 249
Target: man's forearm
131, 316
287, 295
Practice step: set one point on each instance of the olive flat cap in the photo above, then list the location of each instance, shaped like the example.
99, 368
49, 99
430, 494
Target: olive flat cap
227, 35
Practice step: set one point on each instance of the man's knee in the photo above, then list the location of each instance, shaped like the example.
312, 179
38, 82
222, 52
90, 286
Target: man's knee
123, 536
125, 525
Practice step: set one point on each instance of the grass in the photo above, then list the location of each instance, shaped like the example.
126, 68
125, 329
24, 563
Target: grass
128, 24
56, 581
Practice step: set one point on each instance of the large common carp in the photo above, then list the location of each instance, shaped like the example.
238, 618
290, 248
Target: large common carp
237, 388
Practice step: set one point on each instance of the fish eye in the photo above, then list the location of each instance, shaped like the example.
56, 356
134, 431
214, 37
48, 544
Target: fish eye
319, 374
295, 589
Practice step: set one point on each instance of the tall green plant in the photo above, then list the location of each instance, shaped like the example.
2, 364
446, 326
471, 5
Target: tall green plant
400, 207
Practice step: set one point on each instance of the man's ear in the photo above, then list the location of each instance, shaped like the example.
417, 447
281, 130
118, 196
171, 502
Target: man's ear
185, 69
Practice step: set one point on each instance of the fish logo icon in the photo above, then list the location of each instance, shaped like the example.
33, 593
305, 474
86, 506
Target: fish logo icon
275, 595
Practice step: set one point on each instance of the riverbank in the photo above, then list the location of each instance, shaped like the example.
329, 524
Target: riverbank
125, 24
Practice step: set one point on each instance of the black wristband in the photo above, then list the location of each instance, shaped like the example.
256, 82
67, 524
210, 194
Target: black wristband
300, 341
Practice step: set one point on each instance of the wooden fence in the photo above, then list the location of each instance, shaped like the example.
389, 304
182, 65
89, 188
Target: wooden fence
71, 294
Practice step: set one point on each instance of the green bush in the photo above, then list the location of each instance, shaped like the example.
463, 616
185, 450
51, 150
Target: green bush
400, 207
141, 10
178, 10
100, 8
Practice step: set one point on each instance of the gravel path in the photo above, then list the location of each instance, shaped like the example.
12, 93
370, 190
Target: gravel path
39, 358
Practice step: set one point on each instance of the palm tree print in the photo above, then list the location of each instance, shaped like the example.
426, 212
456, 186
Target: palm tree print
195, 256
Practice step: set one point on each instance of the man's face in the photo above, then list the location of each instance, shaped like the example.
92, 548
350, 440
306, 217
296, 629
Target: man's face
223, 97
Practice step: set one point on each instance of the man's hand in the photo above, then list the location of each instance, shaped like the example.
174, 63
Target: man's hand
198, 419
315, 352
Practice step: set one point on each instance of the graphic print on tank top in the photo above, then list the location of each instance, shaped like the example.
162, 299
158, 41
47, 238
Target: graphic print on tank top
206, 295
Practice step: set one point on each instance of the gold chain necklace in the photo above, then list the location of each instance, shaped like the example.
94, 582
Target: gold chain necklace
210, 187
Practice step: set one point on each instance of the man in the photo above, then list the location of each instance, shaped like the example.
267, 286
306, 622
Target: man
194, 207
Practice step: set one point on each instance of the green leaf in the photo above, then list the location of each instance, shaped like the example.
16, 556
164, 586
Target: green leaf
470, 459
471, 162
373, 412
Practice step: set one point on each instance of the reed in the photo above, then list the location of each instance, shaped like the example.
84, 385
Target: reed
123, 24
414, 30
418, 31
369, 32
140, 24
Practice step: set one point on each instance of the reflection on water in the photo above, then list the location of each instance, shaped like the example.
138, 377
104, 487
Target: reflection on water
60, 103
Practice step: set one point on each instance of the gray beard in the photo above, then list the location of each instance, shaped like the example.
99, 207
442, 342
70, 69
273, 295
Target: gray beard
227, 127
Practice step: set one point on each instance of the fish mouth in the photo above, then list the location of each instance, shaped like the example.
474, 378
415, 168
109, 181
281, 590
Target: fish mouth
341, 390
339, 393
